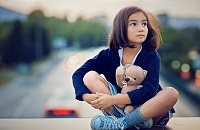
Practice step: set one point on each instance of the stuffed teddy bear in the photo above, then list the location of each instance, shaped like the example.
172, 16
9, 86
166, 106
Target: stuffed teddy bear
129, 78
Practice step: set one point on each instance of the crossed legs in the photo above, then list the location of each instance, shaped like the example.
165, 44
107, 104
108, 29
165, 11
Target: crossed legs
154, 108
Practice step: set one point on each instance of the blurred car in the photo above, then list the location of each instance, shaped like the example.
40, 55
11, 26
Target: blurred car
61, 105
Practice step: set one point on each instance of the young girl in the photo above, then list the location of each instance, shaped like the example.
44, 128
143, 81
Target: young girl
134, 38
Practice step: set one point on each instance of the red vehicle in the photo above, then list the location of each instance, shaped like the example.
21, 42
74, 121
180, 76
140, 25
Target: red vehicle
61, 105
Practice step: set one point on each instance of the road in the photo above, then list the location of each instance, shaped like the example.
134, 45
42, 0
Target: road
26, 96
185, 107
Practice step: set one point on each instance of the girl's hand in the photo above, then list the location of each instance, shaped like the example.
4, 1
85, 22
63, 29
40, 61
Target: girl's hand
103, 102
90, 97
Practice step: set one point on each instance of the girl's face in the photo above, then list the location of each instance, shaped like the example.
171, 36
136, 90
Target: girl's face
137, 28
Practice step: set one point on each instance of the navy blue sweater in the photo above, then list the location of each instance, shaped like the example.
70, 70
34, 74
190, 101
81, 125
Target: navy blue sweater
106, 63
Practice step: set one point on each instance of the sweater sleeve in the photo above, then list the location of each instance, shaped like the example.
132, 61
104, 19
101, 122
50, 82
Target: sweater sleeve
77, 77
151, 82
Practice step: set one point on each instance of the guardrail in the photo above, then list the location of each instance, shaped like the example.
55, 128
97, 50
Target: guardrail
182, 85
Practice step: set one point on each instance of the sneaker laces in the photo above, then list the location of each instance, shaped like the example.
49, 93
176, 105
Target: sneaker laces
113, 124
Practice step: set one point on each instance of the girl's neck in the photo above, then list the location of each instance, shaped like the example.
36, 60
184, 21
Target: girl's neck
132, 51
129, 55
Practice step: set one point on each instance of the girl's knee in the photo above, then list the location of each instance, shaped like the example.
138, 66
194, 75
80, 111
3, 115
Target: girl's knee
89, 76
95, 83
172, 93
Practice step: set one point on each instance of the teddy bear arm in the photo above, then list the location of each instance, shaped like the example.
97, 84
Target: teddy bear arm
128, 109
128, 88
119, 76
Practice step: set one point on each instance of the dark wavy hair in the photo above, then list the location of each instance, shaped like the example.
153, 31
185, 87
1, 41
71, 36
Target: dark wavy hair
118, 35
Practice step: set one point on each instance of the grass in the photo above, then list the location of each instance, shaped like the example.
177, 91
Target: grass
6, 75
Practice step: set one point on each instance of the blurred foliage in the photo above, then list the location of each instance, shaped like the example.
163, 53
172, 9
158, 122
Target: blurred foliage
176, 46
31, 40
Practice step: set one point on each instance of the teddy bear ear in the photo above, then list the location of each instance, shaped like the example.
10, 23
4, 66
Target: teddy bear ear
144, 72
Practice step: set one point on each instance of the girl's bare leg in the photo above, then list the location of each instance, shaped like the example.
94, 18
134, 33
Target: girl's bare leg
96, 83
159, 105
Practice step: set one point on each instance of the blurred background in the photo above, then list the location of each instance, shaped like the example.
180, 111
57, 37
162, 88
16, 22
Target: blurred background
42, 42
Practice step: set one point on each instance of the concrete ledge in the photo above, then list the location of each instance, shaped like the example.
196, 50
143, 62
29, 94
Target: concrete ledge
183, 123
176, 123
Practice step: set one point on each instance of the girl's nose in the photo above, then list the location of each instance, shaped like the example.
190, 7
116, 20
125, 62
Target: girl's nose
140, 29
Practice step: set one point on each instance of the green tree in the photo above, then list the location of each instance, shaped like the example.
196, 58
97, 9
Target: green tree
12, 45
37, 43
177, 45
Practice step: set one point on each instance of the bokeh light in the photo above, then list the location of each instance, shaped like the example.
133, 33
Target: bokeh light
176, 64
185, 67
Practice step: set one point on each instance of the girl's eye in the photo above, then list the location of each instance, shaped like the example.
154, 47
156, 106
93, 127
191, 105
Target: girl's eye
133, 24
144, 24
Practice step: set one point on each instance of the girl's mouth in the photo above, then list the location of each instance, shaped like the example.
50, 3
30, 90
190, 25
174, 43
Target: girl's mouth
140, 35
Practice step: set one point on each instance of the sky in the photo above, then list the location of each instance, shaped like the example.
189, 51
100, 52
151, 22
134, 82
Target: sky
109, 8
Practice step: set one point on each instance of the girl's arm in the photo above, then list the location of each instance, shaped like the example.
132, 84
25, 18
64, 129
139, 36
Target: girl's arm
89, 97
77, 78
106, 100
151, 63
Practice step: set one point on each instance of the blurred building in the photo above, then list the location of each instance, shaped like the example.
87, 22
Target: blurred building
179, 23
10, 15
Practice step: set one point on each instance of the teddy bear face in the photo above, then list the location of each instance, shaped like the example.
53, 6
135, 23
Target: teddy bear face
134, 75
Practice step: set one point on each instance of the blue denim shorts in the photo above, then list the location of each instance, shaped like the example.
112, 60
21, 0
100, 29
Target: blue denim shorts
164, 120
117, 112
